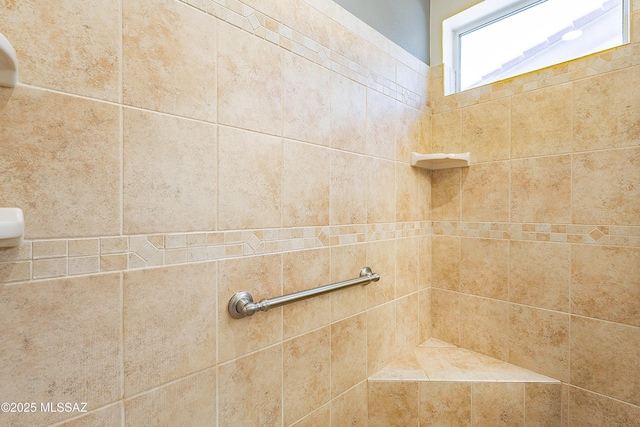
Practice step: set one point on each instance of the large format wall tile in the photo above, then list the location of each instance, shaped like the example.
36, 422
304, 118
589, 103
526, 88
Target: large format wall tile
445, 194
180, 301
393, 404
169, 58
60, 343
251, 390
381, 125
69, 45
446, 132
307, 100
541, 122
604, 358
381, 191
486, 130
381, 338
261, 277
170, 172
445, 316
541, 190
485, 192
60, 163
348, 353
307, 373
484, 326
539, 341
605, 187
540, 274
604, 110
497, 404
348, 115
348, 180
306, 270
346, 263
306, 185
445, 404
350, 408
188, 402
605, 283
250, 87
594, 410
249, 179
484, 267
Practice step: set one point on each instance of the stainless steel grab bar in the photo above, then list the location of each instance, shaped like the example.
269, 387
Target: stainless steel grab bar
242, 305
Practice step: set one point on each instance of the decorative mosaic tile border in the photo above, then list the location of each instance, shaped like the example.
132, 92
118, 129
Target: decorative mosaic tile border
44, 259
260, 25
560, 233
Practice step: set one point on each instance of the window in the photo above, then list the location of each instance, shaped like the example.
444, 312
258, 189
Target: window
497, 39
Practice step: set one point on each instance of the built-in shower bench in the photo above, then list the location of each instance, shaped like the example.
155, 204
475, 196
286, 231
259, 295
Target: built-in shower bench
439, 384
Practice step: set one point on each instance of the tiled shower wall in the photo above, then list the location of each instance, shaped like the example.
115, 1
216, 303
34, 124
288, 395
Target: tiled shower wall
536, 246
168, 154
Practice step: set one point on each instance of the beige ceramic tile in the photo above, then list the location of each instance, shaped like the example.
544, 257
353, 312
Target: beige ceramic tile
348, 353
304, 270
445, 316
169, 62
346, 263
348, 114
541, 190
403, 368
393, 404
169, 173
498, 404
540, 274
485, 192
381, 191
307, 100
425, 253
320, 417
250, 87
445, 404
407, 266
106, 416
424, 303
407, 323
484, 326
250, 396
380, 337
604, 358
61, 342
543, 405
60, 163
612, 126
445, 269
539, 340
445, 194
381, 125
413, 132
484, 267
605, 187
593, 410
486, 130
452, 364
350, 408
190, 401
306, 183
307, 374
605, 283
348, 180
446, 132
541, 121
379, 261
71, 46
250, 180
413, 193
261, 277
303, 18
169, 323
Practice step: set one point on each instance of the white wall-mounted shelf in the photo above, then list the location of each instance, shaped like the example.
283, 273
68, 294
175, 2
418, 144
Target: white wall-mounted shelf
8, 63
11, 227
440, 160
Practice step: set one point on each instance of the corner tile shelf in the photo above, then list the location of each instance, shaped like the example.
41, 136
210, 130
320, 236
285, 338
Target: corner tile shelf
8, 63
440, 160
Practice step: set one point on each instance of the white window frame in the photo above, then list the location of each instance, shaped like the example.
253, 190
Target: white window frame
477, 16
